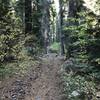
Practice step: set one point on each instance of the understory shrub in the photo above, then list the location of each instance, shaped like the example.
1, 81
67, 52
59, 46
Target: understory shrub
80, 80
78, 88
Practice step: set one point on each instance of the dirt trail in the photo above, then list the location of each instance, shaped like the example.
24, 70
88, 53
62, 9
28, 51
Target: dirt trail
42, 83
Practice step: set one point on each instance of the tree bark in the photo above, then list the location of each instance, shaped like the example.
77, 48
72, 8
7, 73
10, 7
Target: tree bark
61, 27
28, 16
45, 25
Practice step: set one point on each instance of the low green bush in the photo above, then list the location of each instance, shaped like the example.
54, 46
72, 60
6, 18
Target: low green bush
17, 67
80, 79
55, 47
78, 88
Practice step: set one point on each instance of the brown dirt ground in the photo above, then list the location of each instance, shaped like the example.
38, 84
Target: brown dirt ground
42, 82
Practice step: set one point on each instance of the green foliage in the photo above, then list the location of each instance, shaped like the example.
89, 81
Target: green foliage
55, 46
84, 37
10, 35
17, 67
15, 45
19, 8
80, 78
11, 39
36, 35
78, 84
83, 46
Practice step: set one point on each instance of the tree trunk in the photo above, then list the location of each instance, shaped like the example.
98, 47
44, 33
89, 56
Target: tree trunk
28, 16
45, 25
61, 27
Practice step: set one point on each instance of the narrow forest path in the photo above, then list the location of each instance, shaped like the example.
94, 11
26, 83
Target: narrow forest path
42, 83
